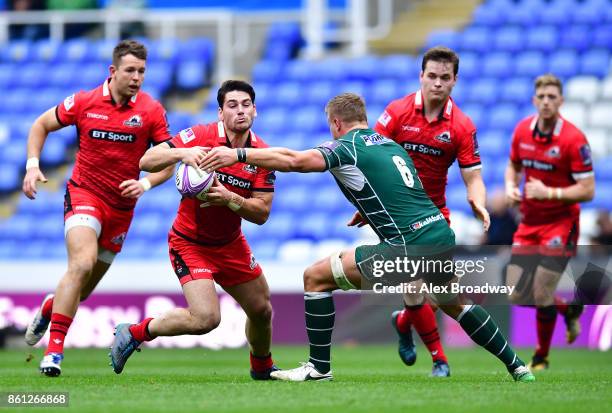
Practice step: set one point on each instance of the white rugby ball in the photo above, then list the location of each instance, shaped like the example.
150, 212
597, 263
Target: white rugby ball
192, 182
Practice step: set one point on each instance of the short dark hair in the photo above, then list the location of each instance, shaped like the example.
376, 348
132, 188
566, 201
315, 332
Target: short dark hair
548, 80
126, 47
232, 85
441, 54
348, 107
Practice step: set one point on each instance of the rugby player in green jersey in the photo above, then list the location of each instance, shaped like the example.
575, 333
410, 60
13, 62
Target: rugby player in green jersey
378, 177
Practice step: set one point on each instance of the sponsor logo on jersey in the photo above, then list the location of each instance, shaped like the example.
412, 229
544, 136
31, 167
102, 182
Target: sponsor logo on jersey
233, 180
408, 128
555, 242
96, 116
187, 135
553, 152
476, 147
585, 154
539, 165
526, 146
84, 207
415, 226
253, 262
252, 169
375, 139
422, 148
201, 270
69, 102
133, 122
444, 137
118, 240
112, 136
384, 118
270, 178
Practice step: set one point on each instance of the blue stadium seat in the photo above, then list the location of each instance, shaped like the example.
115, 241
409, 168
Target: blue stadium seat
488, 14
44, 99
18, 228
517, 90
197, 48
602, 36
91, 76
49, 227
298, 70
490, 141
476, 112
576, 37
509, 39
280, 225
498, 65
148, 225
17, 101
448, 38
308, 120
271, 121
470, 65
54, 152
364, 69
102, 51
313, 226
17, 51
192, 74
63, 75
398, 67
329, 199
163, 50
542, 38
318, 93
266, 249
484, 90
31, 75
286, 31
80, 50
8, 73
503, 116
589, 13
564, 63
460, 91
289, 93
267, 71
179, 121
525, 13
45, 50
357, 87
384, 91
10, 177
475, 39
530, 64
558, 14
595, 62
159, 74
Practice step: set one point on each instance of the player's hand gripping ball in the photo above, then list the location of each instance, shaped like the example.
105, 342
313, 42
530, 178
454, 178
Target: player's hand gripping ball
192, 182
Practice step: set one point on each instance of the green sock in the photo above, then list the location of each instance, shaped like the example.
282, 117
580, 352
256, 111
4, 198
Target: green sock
320, 314
483, 330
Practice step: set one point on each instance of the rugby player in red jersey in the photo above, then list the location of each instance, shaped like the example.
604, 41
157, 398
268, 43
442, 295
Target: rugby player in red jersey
116, 123
434, 132
206, 243
555, 158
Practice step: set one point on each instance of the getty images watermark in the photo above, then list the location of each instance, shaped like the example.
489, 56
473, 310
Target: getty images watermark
433, 272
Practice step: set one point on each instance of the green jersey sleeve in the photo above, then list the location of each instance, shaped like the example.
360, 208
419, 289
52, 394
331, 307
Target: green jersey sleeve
335, 154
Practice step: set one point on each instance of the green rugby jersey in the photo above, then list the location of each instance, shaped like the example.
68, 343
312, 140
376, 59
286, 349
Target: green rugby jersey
378, 177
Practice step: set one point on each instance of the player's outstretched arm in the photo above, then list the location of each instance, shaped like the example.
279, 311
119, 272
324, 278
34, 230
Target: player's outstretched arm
277, 159
477, 195
42, 126
133, 188
161, 156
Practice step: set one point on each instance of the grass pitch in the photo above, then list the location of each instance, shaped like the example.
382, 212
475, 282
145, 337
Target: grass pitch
366, 379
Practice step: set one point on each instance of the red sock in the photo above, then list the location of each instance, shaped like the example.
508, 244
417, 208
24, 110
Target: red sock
404, 321
47, 309
140, 331
424, 321
546, 317
261, 363
59, 328
561, 305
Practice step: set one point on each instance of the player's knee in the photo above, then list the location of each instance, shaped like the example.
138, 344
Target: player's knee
206, 322
543, 297
310, 281
262, 312
81, 268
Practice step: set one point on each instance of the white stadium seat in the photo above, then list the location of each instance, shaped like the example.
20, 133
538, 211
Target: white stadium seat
606, 88
575, 112
584, 88
598, 139
600, 115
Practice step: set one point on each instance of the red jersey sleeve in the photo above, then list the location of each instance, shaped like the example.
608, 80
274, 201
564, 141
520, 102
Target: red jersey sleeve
185, 138
468, 154
264, 180
386, 125
514, 147
67, 112
581, 163
160, 131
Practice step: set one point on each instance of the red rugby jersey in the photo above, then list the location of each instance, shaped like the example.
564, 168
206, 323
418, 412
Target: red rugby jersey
112, 139
216, 225
558, 160
433, 146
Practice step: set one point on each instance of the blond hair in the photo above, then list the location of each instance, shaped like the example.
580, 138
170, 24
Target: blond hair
548, 80
348, 107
